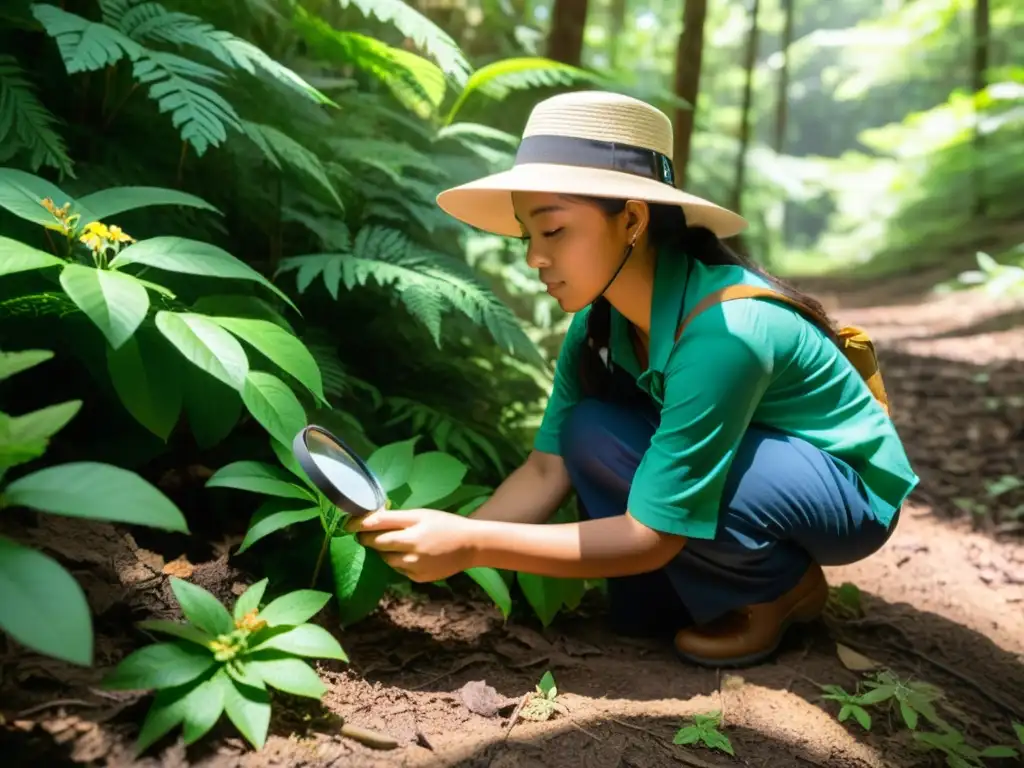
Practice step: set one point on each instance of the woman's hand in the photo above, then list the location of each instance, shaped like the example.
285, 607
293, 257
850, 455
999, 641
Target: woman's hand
423, 544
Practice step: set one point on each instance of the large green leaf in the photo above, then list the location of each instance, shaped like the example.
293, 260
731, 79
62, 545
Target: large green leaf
250, 599
15, 256
180, 629
197, 704
274, 515
206, 345
273, 404
258, 477
212, 407
147, 381
192, 257
23, 193
12, 363
495, 587
295, 607
23, 438
42, 606
304, 640
115, 302
201, 608
392, 464
289, 674
434, 475
111, 202
249, 709
161, 665
360, 578
543, 594
98, 492
280, 347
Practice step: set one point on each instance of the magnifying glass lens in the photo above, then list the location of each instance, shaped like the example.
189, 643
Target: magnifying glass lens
338, 472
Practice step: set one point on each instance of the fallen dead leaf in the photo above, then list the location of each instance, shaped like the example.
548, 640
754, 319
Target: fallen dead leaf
482, 699
855, 661
179, 567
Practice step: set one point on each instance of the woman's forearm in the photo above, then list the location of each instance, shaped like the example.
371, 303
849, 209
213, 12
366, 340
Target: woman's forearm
605, 548
531, 494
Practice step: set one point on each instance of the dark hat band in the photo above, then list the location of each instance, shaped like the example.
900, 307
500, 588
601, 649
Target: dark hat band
591, 153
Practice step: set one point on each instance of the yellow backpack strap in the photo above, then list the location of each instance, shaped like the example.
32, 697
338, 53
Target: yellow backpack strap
855, 344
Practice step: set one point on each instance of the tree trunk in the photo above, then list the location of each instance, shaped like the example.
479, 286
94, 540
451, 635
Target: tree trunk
565, 41
979, 80
748, 96
687, 85
782, 102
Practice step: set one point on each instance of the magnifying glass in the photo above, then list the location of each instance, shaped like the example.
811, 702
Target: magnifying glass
338, 472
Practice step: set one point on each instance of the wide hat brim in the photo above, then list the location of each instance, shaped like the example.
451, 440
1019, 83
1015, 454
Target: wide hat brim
486, 203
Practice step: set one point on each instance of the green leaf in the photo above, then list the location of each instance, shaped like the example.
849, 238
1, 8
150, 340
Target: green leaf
162, 665
177, 629
716, 740
116, 303
272, 516
392, 464
42, 606
201, 608
280, 347
117, 200
434, 475
12, 363
204, 706
167, 711
273, 404
249, 709
1018, 728
258, 477
147, 381
875, 695
288, 461
305, 640
249, 600
192, 257
543, 594
999, 751
360, 578
909, 715
15, 256
290, 675
206, 345
688, 735
26, 437
547, 685
862, 715
295, 607
23, 193
98, 492
492, 583
213, 408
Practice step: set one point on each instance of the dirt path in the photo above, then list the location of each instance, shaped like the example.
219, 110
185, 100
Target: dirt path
943, 603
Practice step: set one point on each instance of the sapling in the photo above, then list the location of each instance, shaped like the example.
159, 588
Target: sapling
543, 702
222, 662
704, 730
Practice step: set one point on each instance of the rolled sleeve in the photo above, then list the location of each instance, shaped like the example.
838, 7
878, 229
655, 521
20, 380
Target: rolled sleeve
566, 391
714, 380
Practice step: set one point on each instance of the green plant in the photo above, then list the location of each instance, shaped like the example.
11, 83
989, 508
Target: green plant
223, 662
913, 700
41, 604
704, 730
960, 754
101, 268
543, 702
359, 575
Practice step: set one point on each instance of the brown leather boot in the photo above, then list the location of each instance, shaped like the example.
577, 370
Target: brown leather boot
751, 634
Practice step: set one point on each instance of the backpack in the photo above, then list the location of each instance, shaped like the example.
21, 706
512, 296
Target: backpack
854, 342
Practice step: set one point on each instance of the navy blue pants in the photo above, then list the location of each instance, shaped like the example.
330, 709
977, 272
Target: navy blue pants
785, 504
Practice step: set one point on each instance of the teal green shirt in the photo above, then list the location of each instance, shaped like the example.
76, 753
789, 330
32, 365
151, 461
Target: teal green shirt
740, 362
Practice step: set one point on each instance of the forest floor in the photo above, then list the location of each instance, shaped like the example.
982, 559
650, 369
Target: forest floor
943, 602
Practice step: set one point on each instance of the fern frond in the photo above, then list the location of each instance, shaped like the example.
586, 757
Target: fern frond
428, 284
499, 79
282, 149
85, 45
338, 382
392, 157
200, 113
328, 229
423, 32
448, 433
26, 125
152, 22
415, 82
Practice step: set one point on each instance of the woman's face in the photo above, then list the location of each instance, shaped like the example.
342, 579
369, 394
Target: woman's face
574, 245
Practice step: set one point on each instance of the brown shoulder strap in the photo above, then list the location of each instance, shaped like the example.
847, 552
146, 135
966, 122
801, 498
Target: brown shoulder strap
731, 292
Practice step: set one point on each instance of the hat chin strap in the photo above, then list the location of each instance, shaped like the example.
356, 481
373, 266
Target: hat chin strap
625, 258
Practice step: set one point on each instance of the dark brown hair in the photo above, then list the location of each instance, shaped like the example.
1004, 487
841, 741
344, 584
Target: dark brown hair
669, 231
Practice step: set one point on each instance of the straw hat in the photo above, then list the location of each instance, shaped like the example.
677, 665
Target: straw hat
587, 143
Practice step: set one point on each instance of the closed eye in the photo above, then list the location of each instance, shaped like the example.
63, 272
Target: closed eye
553, 232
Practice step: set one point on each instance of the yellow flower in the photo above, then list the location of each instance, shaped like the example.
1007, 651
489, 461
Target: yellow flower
118, 236
97, 228
250, 622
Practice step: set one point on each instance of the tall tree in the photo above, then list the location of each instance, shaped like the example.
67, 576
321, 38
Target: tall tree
782, 101
687, 82
750, 59
565, 41
979, 80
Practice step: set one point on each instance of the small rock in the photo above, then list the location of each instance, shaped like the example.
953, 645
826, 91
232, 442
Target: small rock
481, 699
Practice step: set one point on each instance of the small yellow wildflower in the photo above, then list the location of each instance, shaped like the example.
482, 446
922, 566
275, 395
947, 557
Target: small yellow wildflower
117, 235
250, 622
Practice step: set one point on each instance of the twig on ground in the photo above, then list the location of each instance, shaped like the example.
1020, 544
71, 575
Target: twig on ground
368, 738
515, 715
55, 703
